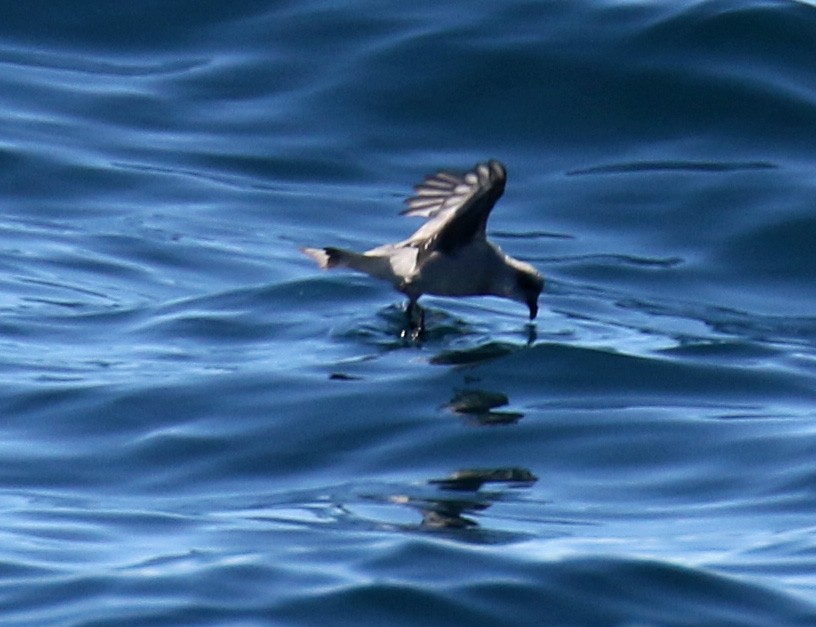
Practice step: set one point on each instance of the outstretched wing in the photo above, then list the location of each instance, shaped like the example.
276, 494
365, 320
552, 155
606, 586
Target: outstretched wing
457, 206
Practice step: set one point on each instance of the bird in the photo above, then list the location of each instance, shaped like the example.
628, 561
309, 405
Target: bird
450, 254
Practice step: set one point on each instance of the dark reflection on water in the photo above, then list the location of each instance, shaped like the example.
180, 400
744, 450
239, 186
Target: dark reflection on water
468, 356
460, 495
458, 498
479, 407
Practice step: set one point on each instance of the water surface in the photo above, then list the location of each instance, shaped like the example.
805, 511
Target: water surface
200, 427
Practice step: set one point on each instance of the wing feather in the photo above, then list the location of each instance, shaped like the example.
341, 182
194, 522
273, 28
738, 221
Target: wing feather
456, 206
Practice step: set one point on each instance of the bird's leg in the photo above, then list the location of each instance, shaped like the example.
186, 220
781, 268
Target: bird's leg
409, 310
412, 309
416, 331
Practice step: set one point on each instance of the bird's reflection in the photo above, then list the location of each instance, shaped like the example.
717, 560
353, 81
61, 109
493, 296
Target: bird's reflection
479, 408
460, 494
454, 502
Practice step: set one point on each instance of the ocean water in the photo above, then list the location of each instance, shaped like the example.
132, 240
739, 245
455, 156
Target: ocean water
197, 426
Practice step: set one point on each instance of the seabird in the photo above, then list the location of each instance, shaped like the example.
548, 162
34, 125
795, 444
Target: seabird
449, 255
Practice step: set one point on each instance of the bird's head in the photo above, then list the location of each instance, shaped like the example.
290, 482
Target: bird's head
527, 285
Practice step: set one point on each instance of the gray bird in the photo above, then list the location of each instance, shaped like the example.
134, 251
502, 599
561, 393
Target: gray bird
450, 254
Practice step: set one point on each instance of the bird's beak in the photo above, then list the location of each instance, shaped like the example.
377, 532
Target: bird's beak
533, 305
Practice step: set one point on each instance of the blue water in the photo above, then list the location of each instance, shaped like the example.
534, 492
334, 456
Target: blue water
197, 426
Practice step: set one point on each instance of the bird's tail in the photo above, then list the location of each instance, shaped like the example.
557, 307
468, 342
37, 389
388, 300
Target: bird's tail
332, 257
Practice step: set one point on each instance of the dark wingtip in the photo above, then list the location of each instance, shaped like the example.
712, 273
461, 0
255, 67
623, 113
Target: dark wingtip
498, 169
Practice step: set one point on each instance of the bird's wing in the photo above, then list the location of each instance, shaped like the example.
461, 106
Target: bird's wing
457, 206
